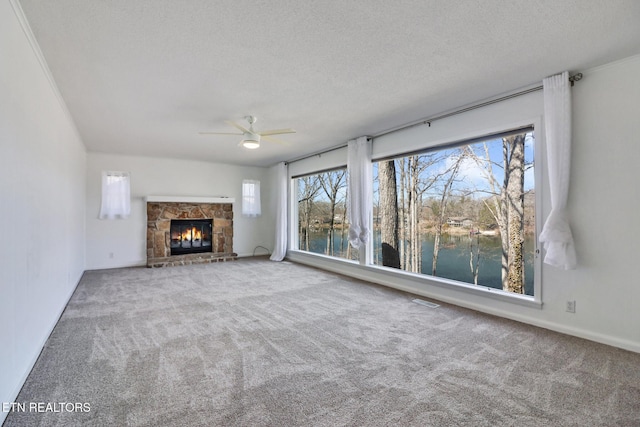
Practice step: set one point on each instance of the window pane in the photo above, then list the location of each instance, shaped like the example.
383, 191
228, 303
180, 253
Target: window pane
251, 198
454, 212
116, 200
322, 214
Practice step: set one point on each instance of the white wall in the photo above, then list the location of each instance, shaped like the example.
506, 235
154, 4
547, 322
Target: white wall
603, 205
126, 239
42, 193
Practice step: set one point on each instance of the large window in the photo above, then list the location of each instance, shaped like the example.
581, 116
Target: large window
322, 214
465, 212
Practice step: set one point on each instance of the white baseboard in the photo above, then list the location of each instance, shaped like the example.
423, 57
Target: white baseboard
458, 298
34, 359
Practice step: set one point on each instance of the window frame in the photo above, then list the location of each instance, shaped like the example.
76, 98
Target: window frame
295, 212
484, 122
537, 261
110, 192
251, 203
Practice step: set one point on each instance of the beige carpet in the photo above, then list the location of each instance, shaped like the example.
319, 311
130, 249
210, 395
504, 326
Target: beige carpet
258, 343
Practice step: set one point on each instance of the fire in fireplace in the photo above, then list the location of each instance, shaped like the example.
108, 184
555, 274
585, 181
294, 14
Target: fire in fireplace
190, 236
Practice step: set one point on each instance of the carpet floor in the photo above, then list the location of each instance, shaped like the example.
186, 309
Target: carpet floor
259, 343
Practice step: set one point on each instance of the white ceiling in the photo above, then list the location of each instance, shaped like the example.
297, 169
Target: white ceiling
144, 77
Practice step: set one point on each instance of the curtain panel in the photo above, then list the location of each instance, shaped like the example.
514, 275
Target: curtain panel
360, 190
116, 195
251, 198
556, 233
280, 248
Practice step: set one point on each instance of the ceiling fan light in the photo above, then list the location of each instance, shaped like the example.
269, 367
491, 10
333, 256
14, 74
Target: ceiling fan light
250, 141
250, 144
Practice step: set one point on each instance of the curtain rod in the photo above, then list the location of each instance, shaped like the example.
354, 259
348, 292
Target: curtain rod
575, 78
429, 120
317, 153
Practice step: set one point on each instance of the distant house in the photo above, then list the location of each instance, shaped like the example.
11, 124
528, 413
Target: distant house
460, 222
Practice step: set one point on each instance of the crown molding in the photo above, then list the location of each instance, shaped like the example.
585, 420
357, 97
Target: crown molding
35, 47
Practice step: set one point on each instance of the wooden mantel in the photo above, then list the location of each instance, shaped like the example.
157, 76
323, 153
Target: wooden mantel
190, 199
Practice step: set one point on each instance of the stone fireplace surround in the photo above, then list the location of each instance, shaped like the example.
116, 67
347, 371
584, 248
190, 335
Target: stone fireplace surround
162, 209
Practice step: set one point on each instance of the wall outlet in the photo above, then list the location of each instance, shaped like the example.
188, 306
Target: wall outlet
571, 306
111, 255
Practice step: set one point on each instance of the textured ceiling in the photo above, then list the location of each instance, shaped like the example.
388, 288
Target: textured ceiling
144, 77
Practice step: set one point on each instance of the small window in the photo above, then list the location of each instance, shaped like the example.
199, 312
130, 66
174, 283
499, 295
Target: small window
251, 198
116, 195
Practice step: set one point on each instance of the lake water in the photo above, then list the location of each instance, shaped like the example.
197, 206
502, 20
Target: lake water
453, 259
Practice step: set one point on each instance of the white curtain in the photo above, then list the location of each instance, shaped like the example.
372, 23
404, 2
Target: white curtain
251, 198
280, 249
360, 189
556, 233
116, 195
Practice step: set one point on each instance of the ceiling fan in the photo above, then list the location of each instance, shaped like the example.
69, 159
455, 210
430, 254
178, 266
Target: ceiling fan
250, 137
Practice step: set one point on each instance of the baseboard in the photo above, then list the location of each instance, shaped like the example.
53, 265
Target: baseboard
139, 263
356, 272
32, 363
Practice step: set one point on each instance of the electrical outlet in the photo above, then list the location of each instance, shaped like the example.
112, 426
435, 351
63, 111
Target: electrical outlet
571, 306
111, 255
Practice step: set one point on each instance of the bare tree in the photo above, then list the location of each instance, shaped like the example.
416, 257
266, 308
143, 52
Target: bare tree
402, 217
332, 182
451, 175
307, 191
506, 204
413, 184
388, 213
515, 212
474, 256
344, 230
415, 197
418, 183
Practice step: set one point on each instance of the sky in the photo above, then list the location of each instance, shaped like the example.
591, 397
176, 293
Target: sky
471, 175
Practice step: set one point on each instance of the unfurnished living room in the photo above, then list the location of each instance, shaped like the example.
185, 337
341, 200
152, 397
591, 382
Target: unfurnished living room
331, 213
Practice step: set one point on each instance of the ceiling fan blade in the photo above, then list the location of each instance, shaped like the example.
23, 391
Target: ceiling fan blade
276, 132
237, 126
276, 140
220, 133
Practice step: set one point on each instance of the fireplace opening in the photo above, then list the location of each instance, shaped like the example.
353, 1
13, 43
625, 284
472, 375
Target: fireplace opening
191, 236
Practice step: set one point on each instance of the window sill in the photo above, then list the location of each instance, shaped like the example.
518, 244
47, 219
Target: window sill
410, 282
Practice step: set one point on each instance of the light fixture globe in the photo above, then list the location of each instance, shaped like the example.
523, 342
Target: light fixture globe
250, 141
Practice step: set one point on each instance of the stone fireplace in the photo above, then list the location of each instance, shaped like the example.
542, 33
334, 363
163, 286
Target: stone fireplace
189, 230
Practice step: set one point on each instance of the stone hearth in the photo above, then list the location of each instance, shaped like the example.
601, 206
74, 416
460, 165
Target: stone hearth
159, 216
